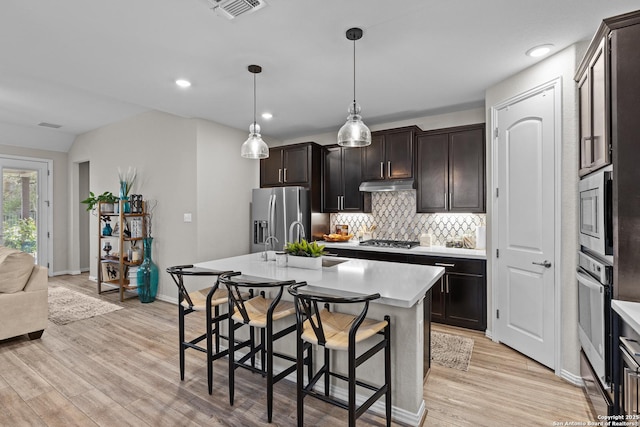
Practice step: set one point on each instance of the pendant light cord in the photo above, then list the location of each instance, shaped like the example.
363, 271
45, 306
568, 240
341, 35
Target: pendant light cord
354, 73
254, 100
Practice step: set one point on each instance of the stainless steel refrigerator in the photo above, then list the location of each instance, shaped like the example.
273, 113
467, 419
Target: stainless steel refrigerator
273, 210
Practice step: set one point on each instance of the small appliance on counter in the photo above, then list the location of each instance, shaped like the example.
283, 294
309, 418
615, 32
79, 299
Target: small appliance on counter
426, 239
481, 237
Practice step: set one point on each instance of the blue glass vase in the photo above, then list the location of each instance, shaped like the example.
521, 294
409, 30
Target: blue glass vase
147, 276
106, 230
126, 206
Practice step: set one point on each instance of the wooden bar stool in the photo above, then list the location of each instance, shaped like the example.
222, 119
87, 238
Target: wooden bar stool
339, 331
259, 313
208, 300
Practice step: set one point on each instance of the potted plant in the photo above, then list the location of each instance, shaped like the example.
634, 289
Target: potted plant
106, 197
304, 254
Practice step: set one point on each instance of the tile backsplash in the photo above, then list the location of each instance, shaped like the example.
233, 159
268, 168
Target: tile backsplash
394, 214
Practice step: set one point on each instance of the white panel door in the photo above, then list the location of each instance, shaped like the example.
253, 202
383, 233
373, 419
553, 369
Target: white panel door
526, 236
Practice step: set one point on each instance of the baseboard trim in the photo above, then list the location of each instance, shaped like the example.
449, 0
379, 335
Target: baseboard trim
571, 378
65, 272
488, 334
165, 298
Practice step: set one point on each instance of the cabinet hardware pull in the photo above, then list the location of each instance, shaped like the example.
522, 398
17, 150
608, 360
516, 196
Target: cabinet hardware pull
338, 202
447, 284
441, 284
342, 200
381, 169
442, 264
389, 169
450, 205
446, 205
279, 174
285, 174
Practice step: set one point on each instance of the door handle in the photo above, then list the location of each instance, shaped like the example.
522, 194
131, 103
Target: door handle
545, 263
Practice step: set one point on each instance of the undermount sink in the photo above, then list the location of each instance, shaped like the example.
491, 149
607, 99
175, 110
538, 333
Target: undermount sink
330, 262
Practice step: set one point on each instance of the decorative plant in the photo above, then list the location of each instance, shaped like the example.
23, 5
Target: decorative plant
126, 181
150, 207
93, 200
304, 248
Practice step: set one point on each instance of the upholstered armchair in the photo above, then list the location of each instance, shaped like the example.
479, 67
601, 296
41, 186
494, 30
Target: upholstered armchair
23, 295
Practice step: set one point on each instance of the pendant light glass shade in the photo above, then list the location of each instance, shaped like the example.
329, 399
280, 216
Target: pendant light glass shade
254, 147
354, 133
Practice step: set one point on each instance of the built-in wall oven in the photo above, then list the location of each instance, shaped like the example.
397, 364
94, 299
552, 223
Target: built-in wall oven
594, 278
596, 213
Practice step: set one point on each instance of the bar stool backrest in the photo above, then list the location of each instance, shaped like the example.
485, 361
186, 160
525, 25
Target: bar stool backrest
307, 306
177, 271
234, 283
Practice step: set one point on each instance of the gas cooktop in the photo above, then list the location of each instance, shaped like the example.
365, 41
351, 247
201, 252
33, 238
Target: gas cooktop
404, 244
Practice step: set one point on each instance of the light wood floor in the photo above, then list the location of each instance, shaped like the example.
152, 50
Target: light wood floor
121, 369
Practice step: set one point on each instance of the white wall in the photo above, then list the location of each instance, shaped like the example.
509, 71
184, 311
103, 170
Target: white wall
84, 217
179, 163
60, 231
224, 183
561, 65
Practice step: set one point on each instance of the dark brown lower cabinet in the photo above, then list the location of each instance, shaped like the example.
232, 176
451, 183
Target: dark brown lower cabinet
460, 296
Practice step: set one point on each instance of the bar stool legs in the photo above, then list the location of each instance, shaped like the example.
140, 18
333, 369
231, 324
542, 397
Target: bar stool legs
340, 331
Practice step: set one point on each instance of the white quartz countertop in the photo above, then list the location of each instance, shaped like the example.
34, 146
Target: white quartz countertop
629, 311
418, 250
399, 285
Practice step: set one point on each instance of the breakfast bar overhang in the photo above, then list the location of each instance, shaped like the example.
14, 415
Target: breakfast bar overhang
402, 288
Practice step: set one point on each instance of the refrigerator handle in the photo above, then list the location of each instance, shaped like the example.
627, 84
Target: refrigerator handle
272, 215
255, 232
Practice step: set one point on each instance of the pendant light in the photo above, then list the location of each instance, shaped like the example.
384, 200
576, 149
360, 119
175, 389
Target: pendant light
254, 147
354, 133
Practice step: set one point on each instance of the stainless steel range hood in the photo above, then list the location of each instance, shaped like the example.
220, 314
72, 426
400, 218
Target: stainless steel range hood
391, 185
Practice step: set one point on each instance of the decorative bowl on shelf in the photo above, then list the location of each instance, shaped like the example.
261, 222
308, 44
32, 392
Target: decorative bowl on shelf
337, 237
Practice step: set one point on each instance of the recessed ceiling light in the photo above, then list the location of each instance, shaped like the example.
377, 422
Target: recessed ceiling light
267, 116
538, 51
183, 83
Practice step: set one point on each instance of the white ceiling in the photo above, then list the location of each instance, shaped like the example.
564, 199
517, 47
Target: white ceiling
85, 63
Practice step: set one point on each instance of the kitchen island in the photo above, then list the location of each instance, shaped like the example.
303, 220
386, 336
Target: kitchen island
402, 288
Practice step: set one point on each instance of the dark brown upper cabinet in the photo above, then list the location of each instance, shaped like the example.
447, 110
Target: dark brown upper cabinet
390, 155
342, 177
450, 170
286, 165
595, 147
296, 164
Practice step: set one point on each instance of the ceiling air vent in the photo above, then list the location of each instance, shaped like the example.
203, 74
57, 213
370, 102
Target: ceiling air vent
231, 9
49, 125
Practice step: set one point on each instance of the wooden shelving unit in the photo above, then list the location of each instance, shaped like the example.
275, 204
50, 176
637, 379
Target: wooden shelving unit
117, 263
